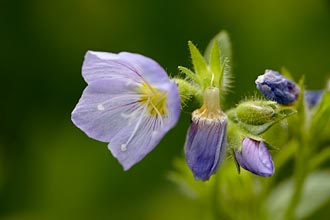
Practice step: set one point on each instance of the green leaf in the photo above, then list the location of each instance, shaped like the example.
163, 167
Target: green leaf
297, 123
320, 119
224, 45
257, 129
190, 74
316, 193
199, 63
286, 112
225, 49
284, 155
215, 64
301, 103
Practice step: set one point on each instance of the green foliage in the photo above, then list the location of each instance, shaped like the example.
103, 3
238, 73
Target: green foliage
224, 44
213, 70
320, 119
222, 40
215, 65
199, 63
315, 193
226, 194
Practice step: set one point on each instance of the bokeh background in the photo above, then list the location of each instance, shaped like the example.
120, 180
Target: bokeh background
50, 170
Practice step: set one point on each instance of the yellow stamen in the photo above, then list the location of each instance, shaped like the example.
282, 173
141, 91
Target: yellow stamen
155, 99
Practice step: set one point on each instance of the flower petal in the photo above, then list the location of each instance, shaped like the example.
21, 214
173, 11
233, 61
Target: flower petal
205, 146
135, 67
147, 68
255, 157
132, 143
100, 110
115, 106
102, 66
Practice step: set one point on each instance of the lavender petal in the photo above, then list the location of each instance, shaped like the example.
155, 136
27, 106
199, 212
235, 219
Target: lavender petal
255, 158
205, 146
116, 108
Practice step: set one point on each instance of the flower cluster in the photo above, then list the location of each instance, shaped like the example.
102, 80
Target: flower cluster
131, 103
257, 116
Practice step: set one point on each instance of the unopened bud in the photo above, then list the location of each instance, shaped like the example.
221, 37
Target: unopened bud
256, 112
205, 145
255, 157
277, 88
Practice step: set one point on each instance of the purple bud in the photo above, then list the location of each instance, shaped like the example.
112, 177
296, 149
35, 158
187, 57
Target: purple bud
255, 157
205, 145
277, 88
312, 97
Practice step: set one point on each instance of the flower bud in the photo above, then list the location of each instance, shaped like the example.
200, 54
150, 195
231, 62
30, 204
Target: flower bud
256, 112
277, 88
255, 157
205, 145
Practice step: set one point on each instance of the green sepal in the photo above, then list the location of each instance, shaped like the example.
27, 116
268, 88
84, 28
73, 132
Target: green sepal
199, 63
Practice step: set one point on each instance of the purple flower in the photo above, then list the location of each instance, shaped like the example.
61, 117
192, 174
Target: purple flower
129, 102
277, 88
312, 97
205, 145
255, 157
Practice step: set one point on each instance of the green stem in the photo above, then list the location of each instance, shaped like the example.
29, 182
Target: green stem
215, 199
187, 91
301, 172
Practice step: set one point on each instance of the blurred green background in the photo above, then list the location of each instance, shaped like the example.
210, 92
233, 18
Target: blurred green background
49, 169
